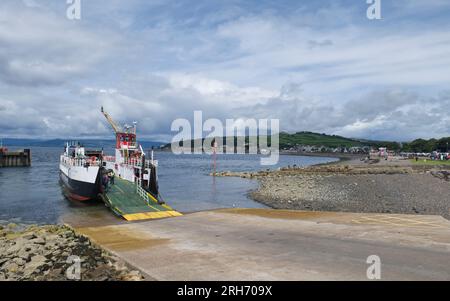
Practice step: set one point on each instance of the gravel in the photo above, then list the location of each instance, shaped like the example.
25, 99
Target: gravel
403, 192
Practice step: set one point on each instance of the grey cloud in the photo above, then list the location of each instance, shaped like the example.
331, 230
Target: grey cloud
154, 102
41, 48
390, 114
380, 102
30, 3
318, 44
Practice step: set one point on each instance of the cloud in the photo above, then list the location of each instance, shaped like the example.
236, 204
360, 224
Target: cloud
317, 66
41, 48
318, 44
399, 115
30, 3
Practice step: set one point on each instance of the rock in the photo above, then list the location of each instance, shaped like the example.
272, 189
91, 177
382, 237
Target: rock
23, 255
19, 245
67, 234
55, 274
56, 253
11, 267
31, 248
40, 253
52, 237
119, 266
50, 246
132, 276
35, 263
19, 261
3, 260
29, 236
72, 244
38, 241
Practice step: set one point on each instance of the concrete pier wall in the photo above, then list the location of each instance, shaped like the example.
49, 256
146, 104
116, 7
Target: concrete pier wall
15, 159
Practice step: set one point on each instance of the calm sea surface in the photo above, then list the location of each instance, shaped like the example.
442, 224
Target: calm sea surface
33, 195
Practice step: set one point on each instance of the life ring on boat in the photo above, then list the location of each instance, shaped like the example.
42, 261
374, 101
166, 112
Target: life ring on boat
93, 159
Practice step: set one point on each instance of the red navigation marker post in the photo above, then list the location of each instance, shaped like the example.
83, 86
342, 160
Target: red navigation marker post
214, 157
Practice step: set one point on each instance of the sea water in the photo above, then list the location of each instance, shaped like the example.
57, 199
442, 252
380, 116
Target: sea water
33, 195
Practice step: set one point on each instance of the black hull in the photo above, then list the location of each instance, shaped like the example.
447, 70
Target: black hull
79, 191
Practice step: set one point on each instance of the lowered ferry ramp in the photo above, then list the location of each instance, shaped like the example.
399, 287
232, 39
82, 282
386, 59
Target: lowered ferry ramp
133, 203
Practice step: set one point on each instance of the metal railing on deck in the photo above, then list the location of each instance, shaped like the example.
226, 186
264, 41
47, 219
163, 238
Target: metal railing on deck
142, 193
132, 161
138, 162
79, 161
109, 158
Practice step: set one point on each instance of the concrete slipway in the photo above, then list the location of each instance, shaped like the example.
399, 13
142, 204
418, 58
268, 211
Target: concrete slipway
265, 244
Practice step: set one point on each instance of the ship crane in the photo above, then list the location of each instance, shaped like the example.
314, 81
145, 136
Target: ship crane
114, 125
128, 129
125, 136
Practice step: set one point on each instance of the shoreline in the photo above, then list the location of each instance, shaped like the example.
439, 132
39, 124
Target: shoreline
350, 185
340, 156
57, 253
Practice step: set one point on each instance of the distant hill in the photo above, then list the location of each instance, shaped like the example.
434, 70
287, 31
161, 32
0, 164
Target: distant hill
315, 139
93, 143
286, 141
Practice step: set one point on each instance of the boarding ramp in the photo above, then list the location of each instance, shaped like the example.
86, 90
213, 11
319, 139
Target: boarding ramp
132, 202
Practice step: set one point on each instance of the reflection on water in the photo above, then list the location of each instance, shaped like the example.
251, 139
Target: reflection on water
33, 194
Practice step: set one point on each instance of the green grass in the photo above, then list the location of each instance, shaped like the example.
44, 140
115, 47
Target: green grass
430, 162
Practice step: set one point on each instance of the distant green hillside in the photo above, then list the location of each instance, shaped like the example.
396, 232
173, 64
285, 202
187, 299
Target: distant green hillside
315, 139
333, 141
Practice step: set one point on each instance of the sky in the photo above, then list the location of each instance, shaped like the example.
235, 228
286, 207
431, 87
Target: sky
319, 66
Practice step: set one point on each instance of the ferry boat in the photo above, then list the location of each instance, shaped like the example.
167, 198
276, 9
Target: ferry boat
85, 173
80, 172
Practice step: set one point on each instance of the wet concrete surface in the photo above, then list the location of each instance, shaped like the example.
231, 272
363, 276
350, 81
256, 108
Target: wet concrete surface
267, 244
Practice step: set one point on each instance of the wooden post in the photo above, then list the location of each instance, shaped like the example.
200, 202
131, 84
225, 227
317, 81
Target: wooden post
28, 153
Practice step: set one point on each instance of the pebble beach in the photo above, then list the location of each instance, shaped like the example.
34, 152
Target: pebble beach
394, 186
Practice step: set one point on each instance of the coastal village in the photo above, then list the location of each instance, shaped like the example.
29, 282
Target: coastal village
367, 150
